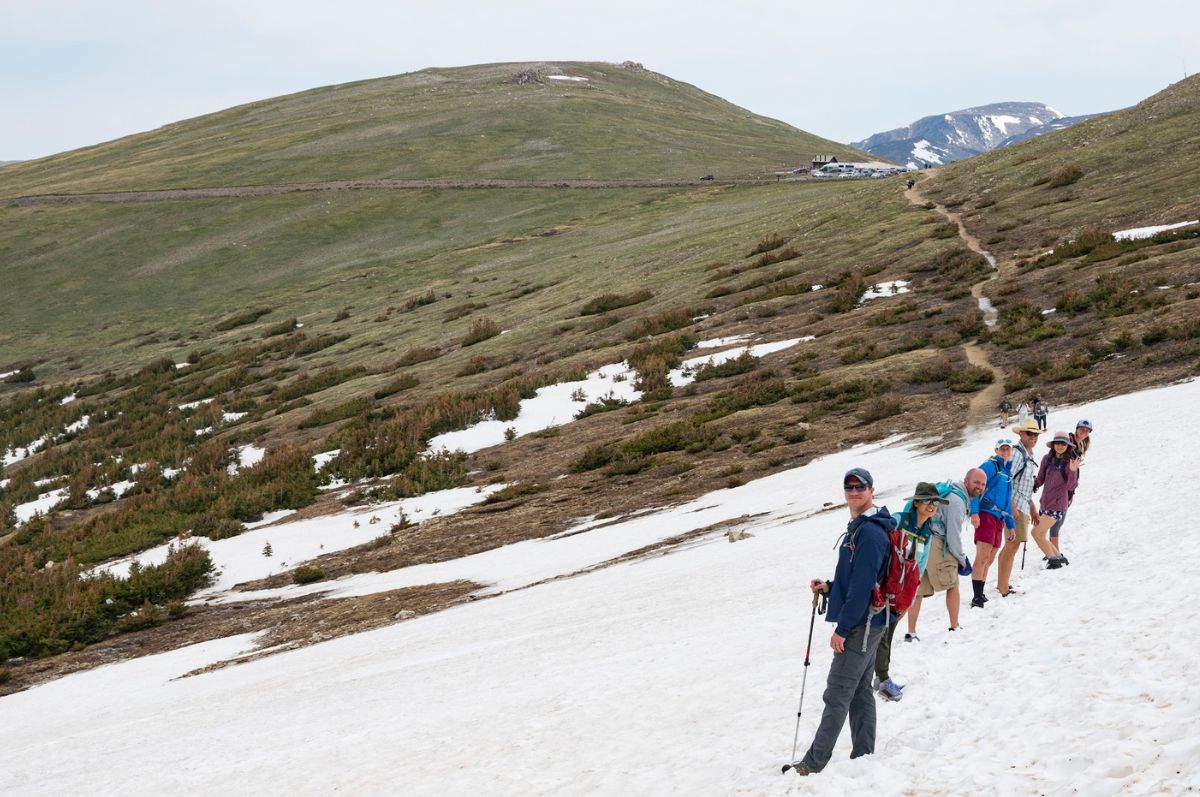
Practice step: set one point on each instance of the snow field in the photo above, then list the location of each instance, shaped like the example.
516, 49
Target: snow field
241, 558
679, 673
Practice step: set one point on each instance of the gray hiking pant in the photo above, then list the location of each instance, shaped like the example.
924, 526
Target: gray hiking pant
848, 691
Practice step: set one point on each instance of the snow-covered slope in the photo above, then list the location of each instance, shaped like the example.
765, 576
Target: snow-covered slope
1050, 127
960, 134
679, 673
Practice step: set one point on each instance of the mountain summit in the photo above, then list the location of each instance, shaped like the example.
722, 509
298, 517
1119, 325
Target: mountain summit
521, 121
954, 136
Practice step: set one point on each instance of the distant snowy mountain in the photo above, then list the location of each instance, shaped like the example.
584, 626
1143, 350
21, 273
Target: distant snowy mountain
1050, 127
954, 136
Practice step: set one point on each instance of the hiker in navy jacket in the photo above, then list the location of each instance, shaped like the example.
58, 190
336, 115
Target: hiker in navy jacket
991, 514
862, 564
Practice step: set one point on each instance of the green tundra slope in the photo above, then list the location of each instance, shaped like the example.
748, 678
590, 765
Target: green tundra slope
466, 123
369, 320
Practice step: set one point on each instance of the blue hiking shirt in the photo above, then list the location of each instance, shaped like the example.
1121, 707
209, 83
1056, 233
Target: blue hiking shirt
997, 499
862, 563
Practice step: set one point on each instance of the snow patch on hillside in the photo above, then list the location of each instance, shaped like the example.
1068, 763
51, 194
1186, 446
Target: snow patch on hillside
551, 406
242, 558
1137, 233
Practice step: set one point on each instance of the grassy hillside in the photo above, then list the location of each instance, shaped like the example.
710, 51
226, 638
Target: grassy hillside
368, 321
1132, 168
1080, 311
470, 122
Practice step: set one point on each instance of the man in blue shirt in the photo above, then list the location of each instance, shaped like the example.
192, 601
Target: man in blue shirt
862, 564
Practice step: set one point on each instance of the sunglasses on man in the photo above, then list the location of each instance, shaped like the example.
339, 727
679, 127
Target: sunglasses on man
854, 487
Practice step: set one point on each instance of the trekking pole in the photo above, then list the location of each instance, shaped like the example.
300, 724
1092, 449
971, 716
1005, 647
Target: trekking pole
1024, 545
804, 682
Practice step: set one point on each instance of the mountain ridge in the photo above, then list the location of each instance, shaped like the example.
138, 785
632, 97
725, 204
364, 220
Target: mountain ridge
943, 138
529, 120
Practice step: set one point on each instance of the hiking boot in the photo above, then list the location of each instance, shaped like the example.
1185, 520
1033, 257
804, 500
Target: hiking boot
911, 638
890, 690
1054, 564
977, 603
801, 769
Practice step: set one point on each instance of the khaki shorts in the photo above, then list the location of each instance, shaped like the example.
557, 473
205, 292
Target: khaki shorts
1022, 527
941, 572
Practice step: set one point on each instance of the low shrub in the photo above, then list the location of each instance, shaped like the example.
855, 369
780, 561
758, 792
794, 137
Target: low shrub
767, 244
400, 383
307, 574
418, 354
969, 379
613, 301
242, 318
480, 330
1065, 176
738, 365
881, 407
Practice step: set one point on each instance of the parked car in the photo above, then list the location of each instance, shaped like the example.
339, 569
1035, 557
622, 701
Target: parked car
707, 177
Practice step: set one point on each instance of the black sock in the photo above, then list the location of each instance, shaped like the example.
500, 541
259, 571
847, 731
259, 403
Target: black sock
978, 587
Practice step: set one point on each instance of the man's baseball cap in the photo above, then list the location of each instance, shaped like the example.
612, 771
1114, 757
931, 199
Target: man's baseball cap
862, 474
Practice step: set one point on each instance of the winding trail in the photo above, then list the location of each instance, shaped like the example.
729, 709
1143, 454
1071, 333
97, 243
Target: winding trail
982, 407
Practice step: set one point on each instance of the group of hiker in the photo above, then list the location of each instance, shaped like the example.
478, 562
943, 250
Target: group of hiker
881, 557
1032, 406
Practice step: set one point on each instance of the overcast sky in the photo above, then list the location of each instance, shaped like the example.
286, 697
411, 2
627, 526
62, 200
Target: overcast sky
78, 73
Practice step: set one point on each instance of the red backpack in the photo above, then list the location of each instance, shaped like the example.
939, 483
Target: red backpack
899, 586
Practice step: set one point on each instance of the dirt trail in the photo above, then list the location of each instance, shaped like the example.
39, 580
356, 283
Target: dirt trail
982, 407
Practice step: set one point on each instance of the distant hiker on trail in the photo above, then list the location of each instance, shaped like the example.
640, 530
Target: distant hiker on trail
991, 514
1005, 411
1057, 478
1022, 412
1023, 470
1040, 412
862, 563
910, 183
946, 557
917, 522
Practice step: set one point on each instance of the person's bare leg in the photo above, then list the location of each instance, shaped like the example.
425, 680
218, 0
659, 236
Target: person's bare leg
1008, 555
1039, 533
984, 553
913, 611
953, 604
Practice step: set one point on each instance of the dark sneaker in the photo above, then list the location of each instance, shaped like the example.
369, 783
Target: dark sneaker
1054, 564
977, 603
1063, 559
800, 769
1011, 591
911, 638
955, 628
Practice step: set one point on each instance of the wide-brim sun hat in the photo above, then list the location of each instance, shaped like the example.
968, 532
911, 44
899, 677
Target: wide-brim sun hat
1061, 437
1029, 425
926, 491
